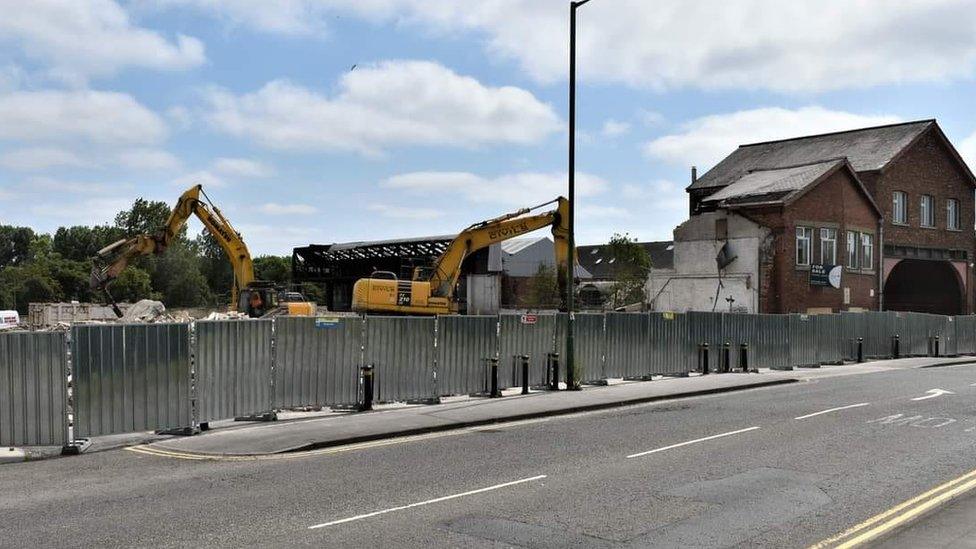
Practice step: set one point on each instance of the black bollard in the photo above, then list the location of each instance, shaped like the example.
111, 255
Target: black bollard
493, 373
895, 346
366, 376
703, 358
744, 357
525, 374
860, 350
554, 371
936, 346
726, 357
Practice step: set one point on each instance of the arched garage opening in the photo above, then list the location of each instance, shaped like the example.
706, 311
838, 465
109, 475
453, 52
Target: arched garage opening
923, 286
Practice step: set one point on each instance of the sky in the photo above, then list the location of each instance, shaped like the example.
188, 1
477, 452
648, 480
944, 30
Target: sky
320, 121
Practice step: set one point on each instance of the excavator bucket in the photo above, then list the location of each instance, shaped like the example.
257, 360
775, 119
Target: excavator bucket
98, 279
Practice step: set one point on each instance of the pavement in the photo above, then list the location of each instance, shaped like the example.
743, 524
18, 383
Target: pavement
787, 465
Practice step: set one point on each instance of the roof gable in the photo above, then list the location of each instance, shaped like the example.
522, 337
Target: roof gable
866, 149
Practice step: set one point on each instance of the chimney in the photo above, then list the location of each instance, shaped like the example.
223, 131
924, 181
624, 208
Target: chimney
694, 174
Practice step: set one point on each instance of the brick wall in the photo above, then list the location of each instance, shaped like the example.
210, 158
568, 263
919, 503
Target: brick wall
835, 203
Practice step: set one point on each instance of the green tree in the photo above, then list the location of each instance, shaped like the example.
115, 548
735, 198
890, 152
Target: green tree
81, 243
542, 290
214, 265
273, 268
133, 285
15, 245
144, 217
630, 265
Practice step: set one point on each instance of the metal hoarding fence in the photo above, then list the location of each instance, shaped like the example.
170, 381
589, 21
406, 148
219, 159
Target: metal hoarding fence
772, 345
965, 327
132, 377
317, 361
803, 340
628, 345
528, 334
707, 328
739, 329
673, 352
590, 345
233, 368
919, 329
830, 339
465, 345
33, 389
401, 350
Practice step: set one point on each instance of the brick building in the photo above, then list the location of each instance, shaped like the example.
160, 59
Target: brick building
874, 218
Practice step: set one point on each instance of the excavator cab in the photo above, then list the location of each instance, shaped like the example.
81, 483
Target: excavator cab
260, 300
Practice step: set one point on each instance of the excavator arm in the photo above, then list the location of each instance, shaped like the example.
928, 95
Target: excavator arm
113, 259
432, 290
447, 268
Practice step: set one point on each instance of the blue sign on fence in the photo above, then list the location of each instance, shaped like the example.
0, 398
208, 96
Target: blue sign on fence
326, 321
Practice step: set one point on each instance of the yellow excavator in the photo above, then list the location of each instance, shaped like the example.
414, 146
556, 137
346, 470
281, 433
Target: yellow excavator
249, 296
431, 291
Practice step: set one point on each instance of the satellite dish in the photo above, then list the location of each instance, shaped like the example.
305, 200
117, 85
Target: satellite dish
725, 257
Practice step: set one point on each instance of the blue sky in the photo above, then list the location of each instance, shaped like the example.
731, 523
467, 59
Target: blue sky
455, 110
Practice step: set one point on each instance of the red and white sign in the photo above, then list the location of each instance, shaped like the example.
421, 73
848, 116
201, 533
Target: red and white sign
530, 319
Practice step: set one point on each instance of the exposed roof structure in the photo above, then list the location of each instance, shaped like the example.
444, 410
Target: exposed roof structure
424, 246
866, 149
596, 260
774, 185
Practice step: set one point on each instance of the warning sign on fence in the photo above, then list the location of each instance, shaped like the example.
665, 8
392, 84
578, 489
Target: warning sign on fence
530, 319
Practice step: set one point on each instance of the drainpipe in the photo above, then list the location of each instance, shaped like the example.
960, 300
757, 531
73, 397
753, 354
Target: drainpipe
881, 264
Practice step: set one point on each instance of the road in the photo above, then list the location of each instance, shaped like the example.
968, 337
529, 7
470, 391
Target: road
784, 466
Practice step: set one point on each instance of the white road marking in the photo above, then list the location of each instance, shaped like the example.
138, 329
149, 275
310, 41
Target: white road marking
428, 502
933, 393
680, 444
834, 410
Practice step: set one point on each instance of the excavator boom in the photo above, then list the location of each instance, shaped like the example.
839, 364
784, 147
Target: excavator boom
434, 293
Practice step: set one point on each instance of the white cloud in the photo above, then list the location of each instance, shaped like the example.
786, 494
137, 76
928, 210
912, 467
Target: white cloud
650, 118
41, 158
80, 38
202, 177
795, 46
660, 195
242, 167
148, 159
967, 148
272, 208
614, 128
404, 212
98, 116
44, 186
591, 211
370, 113
519, 189
706, 140
180, 117
90, 211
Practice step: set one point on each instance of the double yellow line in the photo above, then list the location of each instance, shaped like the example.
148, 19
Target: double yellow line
899, 515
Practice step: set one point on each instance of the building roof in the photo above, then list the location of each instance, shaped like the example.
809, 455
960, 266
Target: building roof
516, 245
774, 185
866, 149
595, 258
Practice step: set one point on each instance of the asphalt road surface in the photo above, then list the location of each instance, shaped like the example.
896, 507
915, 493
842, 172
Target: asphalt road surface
784, 466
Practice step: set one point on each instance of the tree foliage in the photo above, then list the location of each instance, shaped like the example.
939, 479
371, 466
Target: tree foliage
542, 291
191, 273
630, 265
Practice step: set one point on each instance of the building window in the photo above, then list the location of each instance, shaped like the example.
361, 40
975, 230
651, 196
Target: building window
926, 213
828, 246
803, 236
867, 250
899, 212
952, 214
851, 250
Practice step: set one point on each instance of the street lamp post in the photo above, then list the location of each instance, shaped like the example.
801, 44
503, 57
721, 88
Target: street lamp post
571, 262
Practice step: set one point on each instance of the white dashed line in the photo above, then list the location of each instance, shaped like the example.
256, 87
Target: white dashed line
680, 444
849, 406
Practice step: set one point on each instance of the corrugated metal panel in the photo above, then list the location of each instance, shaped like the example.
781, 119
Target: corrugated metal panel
830, 339
463, 345
233, 368
772, 346
33, 393
965, 334
131, 378
901, 327
402, 351
705, 327
535, 340
589, 343
739, 328
803, 340
919, 340
317, 361
671, 349
628, 345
